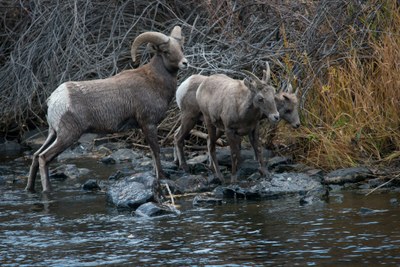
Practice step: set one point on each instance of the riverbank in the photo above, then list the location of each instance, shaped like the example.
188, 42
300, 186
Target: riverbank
96, 164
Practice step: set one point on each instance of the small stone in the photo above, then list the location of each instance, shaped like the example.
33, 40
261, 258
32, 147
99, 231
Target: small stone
151, 209
91, 185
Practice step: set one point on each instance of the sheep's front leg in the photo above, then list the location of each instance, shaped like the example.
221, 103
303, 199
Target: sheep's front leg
254, 141
150, 133
211, 141
234, 143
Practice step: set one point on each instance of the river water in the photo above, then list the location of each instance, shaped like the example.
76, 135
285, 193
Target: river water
71, 227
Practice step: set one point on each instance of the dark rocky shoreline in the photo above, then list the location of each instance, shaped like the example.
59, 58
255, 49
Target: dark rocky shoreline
130, 187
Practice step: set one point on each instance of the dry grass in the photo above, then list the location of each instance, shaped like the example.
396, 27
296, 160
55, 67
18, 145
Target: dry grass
343, 55
352, 114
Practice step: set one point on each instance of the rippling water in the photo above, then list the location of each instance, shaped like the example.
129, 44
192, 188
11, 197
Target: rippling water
75, 228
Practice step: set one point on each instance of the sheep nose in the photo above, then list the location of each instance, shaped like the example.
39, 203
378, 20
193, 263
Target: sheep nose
276, 117
297, 125
184, 64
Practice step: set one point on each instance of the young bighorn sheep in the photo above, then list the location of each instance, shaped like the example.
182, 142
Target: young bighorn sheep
286, 103
235, 107
137, 98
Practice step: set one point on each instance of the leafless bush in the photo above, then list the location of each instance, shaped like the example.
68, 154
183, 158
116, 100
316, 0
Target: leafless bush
45, 42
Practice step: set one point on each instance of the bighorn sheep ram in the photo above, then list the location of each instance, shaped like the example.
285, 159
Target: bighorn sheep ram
137, 98
235, 107
286, 102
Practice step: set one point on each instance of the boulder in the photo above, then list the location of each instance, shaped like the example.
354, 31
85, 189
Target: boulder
348, 175
151, 209
133, 191
279, 185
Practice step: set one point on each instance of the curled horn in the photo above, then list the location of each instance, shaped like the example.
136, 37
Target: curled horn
147, 37
253, 76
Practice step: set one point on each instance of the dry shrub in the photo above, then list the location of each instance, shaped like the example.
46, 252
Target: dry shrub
343, 55
352, 114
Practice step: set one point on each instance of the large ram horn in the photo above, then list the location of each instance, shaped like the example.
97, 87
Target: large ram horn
253, 76
147, 37
266, 72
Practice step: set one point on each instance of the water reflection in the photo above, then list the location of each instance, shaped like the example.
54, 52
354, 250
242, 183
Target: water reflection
71, 227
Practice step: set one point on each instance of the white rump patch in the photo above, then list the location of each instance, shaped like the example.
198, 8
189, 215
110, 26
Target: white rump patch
181, 91
58, 103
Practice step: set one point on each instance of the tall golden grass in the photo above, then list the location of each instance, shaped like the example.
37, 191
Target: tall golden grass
352, 115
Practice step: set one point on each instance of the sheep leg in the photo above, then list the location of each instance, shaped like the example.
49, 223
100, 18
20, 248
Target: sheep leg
254, 141
234, 143
30, 186
62, 142
188, 121
150, 133
211, 141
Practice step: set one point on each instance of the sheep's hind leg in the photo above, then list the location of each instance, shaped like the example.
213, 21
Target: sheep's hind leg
211, 141
187, 123
30, 186
55, 149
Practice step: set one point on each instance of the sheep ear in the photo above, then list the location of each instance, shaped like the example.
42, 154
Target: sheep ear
266, 73
151, 48
297, 91
163, 47
176, 33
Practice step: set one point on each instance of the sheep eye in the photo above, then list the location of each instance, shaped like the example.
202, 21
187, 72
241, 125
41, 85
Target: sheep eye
288, 111
260, 99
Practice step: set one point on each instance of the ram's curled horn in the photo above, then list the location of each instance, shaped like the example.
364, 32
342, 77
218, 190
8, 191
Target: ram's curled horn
147, 37
266, 72
253, 76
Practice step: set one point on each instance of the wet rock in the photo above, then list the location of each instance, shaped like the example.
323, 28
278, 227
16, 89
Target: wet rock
276, 161
224, 155
192, 183
132, 191
348, 175
108, 160
394, 201
68, 171
198, 164
9, 147
248, 167
151, 209
201, 200
121, 173
121, 155
279, 185
91, 185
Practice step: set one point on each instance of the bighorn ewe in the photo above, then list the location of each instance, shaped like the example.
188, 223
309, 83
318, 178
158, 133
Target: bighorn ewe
130, 99
286, 103
235, 107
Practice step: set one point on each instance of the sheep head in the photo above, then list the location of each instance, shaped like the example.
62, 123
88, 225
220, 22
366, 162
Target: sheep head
264, 94
288, 106
169, 47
